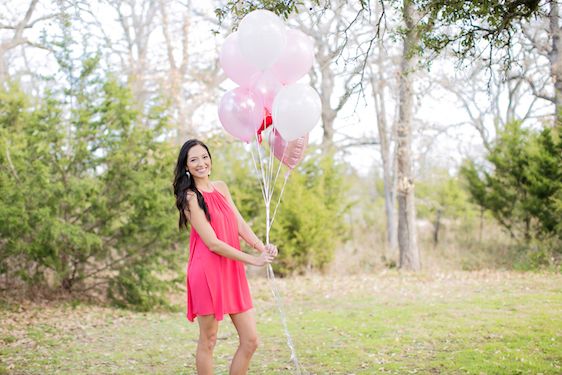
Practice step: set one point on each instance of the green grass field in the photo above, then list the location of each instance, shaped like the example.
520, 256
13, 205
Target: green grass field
450, 323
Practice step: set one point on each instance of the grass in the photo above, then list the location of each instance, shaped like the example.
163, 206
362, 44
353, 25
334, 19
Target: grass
452, 323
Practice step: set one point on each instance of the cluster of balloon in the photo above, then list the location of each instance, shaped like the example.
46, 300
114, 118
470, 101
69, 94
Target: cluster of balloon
266, 59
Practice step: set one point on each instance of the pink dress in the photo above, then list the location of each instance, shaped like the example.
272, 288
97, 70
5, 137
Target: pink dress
215, 284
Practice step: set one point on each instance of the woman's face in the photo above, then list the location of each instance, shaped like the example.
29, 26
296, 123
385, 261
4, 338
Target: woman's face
198, 161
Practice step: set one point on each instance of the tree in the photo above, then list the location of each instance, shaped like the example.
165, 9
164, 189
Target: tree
13, 30
387, 140
522, 189
334, 80
137, 19
478, 25
407, 241
153, 44
545, 182
489, 28
555, 57
544, 37
491, 103
504, 191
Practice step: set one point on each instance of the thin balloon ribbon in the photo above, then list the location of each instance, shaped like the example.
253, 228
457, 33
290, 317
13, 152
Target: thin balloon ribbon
264, 167
280, 195
279, 302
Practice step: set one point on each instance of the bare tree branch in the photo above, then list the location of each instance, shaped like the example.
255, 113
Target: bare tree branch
535, 90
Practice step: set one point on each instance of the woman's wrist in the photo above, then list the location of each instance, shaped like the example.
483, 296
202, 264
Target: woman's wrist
258, 245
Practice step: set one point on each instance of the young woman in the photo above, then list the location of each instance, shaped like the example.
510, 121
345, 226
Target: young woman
216, 277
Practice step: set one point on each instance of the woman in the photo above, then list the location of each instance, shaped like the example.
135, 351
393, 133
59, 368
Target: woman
216, 278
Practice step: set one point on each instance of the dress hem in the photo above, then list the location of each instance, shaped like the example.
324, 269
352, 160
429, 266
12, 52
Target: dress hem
195, 315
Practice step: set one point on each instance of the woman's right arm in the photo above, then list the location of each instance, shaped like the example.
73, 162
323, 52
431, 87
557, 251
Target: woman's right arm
197, 218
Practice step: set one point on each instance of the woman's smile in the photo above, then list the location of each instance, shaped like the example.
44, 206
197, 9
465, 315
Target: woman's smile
202, 171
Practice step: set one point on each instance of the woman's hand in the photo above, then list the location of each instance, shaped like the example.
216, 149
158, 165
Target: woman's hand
263, 259
271, 249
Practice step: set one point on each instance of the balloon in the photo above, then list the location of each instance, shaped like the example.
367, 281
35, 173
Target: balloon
296, 59
296, 110
289, 153
234, 64
261, 38
267, 85
241, 113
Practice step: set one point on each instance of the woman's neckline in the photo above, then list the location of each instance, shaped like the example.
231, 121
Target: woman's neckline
210, 191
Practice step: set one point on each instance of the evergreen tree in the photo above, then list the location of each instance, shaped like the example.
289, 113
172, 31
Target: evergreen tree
522, 187
544, 176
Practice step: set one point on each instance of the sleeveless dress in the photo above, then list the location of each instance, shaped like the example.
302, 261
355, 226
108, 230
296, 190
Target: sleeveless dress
215, 284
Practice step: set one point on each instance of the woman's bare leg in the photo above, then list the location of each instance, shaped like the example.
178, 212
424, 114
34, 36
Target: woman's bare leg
246, 326
208, 328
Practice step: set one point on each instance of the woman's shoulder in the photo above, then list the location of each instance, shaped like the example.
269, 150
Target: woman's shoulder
190, 194
220, 186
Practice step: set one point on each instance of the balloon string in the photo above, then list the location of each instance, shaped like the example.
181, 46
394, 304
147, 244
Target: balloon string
268, 186
263, 167
271, 159
266, 180
279, 302
277, 175
279, 199
262, 186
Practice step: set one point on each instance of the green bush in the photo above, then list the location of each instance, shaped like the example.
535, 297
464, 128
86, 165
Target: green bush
85, 189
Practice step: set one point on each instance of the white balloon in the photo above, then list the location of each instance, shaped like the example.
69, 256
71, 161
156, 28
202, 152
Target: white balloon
296, 110
262, 39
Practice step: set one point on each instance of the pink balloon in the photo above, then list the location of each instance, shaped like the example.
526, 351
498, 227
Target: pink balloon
296, 59
241, 113
266, 85
235, 66
289, 153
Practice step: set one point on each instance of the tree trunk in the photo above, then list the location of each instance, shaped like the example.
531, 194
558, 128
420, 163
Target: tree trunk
407, 242
137, 20
328, 129
17, 39
328, 114
178, 71
436, 227
556, 59
481, 224
387, 161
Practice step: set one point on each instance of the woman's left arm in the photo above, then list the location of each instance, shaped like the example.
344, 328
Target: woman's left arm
244, 229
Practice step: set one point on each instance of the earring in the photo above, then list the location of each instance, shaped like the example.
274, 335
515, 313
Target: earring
187, 174
209, 173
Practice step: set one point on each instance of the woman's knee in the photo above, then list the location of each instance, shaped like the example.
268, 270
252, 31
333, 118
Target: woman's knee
208, 340
250, 343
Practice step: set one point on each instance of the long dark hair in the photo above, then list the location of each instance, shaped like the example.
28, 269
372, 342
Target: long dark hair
184, 183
